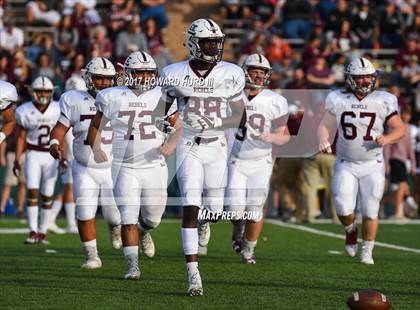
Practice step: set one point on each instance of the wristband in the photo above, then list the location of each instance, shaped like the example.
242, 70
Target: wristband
2, 136
217, 122
54, 141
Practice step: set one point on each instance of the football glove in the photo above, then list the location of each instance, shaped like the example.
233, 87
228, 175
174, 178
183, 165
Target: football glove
16, 168
163, 125
205, 122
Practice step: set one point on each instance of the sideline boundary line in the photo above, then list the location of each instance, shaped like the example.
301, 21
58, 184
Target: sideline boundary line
337, 236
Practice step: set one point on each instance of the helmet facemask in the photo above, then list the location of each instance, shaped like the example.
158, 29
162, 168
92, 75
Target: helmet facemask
362, 90
249, 80
90, 84
43, 98
212, 56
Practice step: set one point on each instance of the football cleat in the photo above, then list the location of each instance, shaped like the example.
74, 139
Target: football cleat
32, 239
248, 255
366, 256
133, 271
202, 250
116, 237
42, 239
203, 233
92, 263
56, 230
147, 244
72, 230
195, 287
351, 243
92, 259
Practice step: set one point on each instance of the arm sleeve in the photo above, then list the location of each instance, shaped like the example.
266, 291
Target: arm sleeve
330, 106
8, 96
20, 118
102, 103
168, 90
391, 107
280, 112
65, 109
238, 85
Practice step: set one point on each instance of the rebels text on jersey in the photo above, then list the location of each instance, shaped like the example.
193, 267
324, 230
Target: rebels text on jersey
265, 112
37, 124
77, 110
136, 139
360, 122
206, 94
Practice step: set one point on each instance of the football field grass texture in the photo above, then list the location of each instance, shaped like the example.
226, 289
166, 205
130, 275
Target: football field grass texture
295, 270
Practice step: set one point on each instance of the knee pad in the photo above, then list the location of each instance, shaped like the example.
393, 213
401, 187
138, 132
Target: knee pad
129, 215
150, 224
86, 212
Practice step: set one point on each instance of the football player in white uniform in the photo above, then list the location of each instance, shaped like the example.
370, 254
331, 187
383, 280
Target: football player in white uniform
360, 112
209, 98
66, 194
36, 118
139, 169
8, 95
92, 181
250, 163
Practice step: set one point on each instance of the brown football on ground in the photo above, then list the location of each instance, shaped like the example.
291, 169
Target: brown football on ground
368, 300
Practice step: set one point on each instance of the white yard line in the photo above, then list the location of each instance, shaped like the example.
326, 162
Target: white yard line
11, 231
381, 221
337, 236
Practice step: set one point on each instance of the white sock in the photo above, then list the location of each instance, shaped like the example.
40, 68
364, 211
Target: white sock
91, 243
45, 220
55, 210
33, 218
250, 244
192, 267
190, 240
131, 250
349, 229
111, 215
368, 244
70, 208
411, 202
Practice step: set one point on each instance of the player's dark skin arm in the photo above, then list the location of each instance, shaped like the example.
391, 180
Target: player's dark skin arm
58, 132
9, 121
94, 136
20, 143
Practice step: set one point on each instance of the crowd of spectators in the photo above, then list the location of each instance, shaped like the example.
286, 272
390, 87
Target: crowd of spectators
71, 32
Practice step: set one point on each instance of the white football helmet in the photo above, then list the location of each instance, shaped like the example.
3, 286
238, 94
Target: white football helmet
360, 66
8, 94
257, 61
204, 29
75, 82
138, 62
41, 83
99, 66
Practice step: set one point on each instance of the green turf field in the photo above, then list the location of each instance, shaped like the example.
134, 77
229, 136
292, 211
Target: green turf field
294, 270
